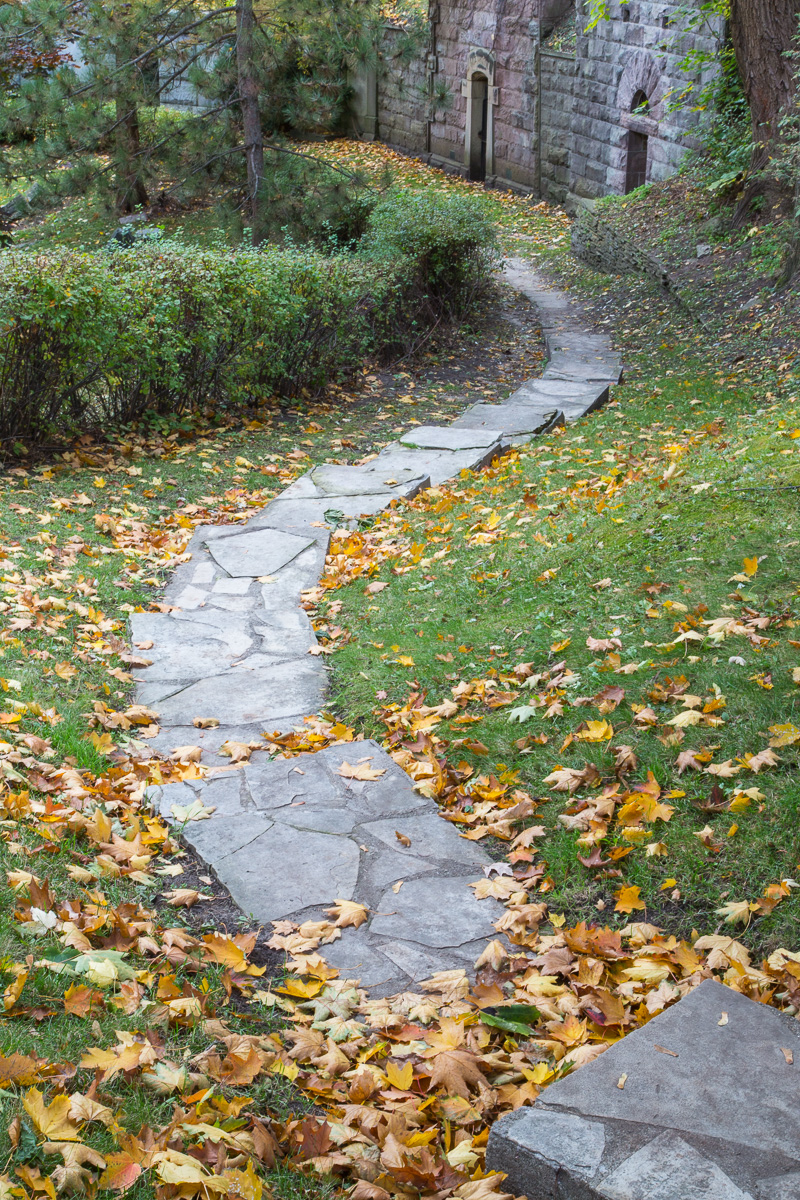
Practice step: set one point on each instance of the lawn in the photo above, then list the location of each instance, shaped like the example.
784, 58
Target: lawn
588, 654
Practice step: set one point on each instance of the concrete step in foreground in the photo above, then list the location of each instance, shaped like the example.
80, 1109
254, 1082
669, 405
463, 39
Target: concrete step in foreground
702, 1103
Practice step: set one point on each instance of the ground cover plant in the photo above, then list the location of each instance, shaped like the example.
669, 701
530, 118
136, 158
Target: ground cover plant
143, 1049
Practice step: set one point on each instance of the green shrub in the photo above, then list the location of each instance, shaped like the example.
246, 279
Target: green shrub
92, 340
449, 239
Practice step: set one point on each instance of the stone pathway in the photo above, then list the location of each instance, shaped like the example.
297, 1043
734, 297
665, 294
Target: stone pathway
702, 1103
288, 837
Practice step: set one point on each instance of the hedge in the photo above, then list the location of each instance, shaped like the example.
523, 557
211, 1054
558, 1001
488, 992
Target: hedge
88, 340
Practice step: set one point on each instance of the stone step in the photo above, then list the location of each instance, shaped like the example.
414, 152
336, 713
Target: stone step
702, 1103
509, 420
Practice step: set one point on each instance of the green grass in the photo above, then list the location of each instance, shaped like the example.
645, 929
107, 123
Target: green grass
485, 606
481, 607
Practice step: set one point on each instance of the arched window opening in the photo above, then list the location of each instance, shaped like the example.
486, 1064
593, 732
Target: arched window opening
640, 104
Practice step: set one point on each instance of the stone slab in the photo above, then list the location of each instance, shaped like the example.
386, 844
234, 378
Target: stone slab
430, 836
715, 1117
447, 437
357, 958
239, 697
420, 962
668, 1168
441, 465
508, 419
435, 912
559, 392
370, 479
285, 871
257, 552
224, 834
316, 518
283, 591
564, 364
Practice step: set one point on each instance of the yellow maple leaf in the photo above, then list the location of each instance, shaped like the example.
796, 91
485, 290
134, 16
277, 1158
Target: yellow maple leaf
52, 1120
596, 731
750, 566
627, 899
400, 1077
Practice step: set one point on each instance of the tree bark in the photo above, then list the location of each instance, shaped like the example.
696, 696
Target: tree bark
251, 115
130, 185
762, 32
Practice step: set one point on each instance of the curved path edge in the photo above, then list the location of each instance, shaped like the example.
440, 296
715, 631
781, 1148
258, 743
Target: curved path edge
289, 836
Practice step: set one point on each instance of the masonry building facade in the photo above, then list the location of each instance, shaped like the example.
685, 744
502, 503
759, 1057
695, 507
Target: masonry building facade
524, 95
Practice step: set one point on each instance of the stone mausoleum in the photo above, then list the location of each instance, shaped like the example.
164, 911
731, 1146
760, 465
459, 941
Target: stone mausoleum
522, 94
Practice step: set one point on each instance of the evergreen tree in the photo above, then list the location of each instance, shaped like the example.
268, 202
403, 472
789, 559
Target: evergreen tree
263, 70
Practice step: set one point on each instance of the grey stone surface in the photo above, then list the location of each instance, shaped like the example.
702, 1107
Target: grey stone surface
285, 871
668, 1168
556, 1142
446, 437
389, 477
717, 1116
215, 839
315, 517
780, 1187
240, 697
435, 912
431, 837
356, 958
508, 419
439, 465
551, 392
258, 552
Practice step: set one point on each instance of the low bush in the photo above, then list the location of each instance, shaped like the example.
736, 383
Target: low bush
88, 339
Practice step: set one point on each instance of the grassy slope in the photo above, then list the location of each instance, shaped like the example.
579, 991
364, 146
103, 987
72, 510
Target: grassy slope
600, 508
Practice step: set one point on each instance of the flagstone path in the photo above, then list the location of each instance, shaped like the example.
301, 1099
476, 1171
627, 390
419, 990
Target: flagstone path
289, 836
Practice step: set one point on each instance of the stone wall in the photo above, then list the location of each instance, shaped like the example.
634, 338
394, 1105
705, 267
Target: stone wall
401, 85
557, 72
604, 248
506, 35
563, 125
640, 50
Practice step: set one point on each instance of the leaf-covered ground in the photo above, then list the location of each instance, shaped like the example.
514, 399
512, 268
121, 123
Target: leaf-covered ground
588, 654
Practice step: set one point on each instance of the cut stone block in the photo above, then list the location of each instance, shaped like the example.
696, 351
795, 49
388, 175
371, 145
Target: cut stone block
446, 437
260, 552
507, 419
285, 871
240, 697
369, 479
709, 1110
436, 913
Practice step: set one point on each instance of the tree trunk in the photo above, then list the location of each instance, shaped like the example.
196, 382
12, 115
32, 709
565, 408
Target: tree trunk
251, 115
130, 185
762, 32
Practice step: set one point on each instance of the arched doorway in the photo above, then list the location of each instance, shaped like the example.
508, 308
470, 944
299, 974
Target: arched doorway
637, 145
479, 127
